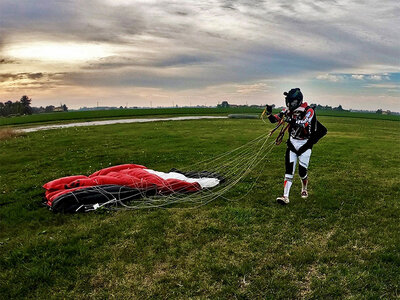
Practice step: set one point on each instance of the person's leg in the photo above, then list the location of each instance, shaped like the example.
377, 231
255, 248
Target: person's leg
304, 160
290, 165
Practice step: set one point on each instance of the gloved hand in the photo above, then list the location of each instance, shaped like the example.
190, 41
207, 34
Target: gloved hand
288, 119
268, 109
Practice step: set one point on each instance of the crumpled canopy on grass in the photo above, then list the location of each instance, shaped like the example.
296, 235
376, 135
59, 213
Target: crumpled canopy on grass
122, 182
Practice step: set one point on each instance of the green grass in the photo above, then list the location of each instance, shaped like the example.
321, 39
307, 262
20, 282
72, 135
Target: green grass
64, 117
342, 242
118, 113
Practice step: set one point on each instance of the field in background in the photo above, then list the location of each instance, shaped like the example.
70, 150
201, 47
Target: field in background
118, 113
342, 242
129, 113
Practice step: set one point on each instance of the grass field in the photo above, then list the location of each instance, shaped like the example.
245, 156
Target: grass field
66, 117
342, 242
117, 113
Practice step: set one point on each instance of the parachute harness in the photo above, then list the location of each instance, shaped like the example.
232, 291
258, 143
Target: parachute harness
284, 128
281, 134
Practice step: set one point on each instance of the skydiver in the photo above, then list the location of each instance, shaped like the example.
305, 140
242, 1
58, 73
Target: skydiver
304, 131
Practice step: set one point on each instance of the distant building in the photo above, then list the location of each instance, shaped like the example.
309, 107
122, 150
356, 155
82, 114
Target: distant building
58, 109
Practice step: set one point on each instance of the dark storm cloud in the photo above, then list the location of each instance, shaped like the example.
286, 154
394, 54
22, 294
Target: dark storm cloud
7, 61
230, 69
31, 81
89, 21
18, 76
181, 13
347, 45
34, 75
182, 60
31, 76
116, 62
228, 5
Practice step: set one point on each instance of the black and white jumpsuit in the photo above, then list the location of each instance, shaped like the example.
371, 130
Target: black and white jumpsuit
301, 125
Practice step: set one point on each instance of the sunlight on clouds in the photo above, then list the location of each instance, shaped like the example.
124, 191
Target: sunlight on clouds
383, 86
190, 51
259, 87
330, 77
130, 2
363, 77
50, 51
358, 76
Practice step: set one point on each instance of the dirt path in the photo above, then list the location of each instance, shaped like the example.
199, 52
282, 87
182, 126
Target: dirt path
120, 121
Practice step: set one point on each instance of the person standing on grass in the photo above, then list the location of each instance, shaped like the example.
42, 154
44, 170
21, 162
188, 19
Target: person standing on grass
304, 131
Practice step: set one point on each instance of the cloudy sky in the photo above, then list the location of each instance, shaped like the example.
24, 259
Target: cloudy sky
160, 53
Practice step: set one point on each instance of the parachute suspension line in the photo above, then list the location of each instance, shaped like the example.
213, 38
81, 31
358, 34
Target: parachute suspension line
236, 164
264, 113
244, 148
200, 198
233, 166
281, 134
262, 162
223, 191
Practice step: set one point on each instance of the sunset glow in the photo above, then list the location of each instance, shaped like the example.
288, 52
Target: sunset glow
136, 52
59, 52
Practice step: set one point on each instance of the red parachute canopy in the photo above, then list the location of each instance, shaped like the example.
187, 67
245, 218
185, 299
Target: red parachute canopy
73, 193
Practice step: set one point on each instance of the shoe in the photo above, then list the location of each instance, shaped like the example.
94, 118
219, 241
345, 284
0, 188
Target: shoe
304, 194
283, 200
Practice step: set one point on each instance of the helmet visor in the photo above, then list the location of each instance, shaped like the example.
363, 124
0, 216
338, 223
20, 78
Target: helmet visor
292, 103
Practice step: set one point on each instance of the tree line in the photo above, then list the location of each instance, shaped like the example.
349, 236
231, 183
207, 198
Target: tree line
23, 107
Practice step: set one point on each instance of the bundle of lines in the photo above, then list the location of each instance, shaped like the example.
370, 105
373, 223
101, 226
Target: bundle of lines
230, 167
210, 179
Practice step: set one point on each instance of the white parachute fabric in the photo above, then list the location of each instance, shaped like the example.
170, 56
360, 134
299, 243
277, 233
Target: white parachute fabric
204, 182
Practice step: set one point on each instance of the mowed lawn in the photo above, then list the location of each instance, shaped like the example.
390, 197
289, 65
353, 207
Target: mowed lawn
342, 242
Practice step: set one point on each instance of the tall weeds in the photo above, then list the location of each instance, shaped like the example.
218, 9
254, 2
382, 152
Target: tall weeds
8, 133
